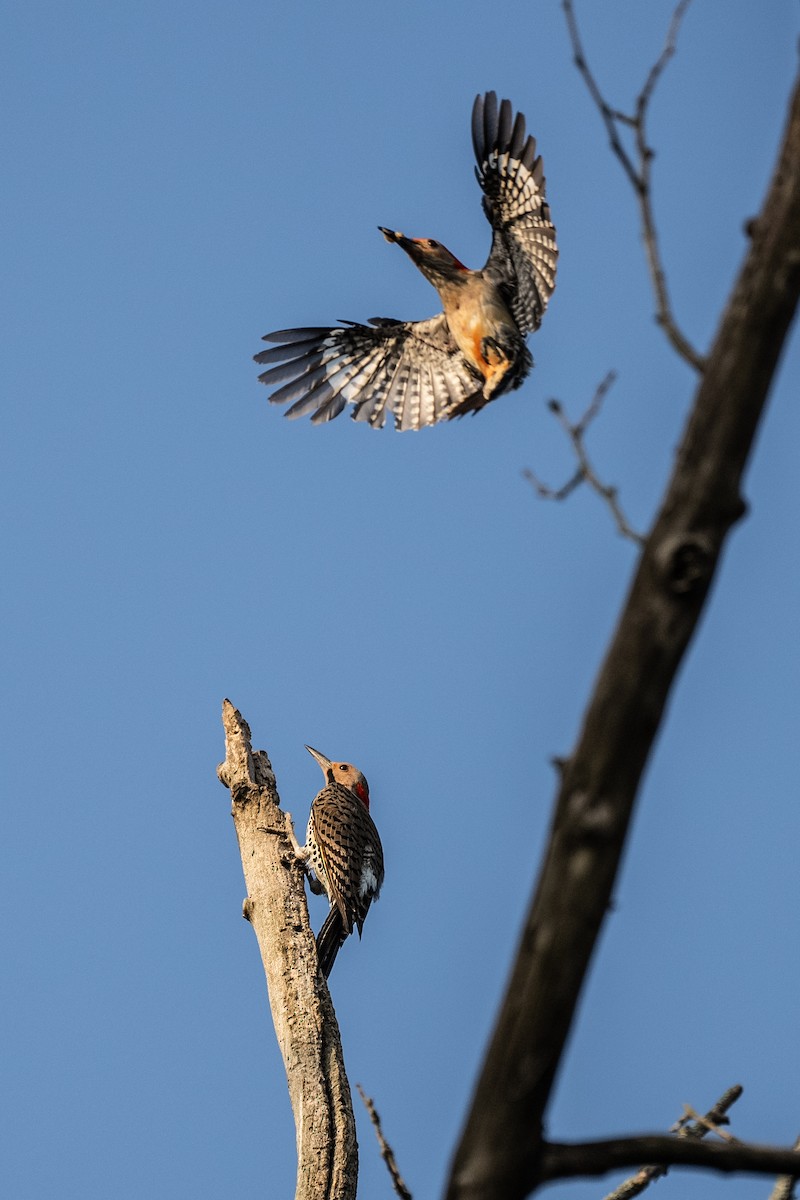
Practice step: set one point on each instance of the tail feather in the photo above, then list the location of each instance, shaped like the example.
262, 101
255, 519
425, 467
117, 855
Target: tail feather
330, 937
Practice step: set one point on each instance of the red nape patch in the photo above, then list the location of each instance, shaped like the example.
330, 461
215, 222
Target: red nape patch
362, 794
423, 242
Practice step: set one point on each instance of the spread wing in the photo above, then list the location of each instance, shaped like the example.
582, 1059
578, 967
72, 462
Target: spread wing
411, 369
524, 253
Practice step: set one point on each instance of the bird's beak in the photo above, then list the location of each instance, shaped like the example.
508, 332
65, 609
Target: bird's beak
411, 246
394, 235
325, 763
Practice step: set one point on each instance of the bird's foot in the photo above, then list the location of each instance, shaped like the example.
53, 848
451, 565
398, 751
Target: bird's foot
302, 853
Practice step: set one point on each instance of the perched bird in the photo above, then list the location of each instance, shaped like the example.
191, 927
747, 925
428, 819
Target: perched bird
454, 363
344, 851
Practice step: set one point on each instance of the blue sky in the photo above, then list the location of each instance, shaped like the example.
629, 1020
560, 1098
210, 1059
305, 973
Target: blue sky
183, 178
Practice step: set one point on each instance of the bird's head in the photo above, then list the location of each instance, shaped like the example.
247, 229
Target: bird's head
345, 774
433, 259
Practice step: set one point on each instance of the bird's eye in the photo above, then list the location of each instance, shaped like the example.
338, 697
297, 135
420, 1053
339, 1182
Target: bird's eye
433, 245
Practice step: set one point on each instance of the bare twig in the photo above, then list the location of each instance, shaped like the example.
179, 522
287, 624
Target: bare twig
639, 171
387, 1154
709, 1123
585, 472
716, 1116
785, 1184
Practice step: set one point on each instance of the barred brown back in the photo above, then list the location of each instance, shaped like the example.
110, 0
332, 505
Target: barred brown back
346, 853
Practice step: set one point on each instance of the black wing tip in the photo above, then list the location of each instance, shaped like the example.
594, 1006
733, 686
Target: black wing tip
307, 333
505, 124
485, 121
482, 100
496, 127
516, 145
477, 127
292, 335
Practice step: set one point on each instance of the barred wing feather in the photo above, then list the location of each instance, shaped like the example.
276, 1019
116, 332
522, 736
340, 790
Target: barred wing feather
411, 370
524, 254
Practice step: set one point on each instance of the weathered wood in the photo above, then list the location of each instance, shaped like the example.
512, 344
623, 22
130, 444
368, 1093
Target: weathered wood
302, 1012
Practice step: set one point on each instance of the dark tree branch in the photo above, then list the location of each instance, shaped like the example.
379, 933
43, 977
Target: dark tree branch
785, 1184
501, 1152
713, 1119
564, 1160
639, 172
302, 1012
585, 472
387, 1153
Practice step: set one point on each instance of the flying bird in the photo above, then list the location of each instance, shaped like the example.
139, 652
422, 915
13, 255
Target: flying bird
426, 371
344, 851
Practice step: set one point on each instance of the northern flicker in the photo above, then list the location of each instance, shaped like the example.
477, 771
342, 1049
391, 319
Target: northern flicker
344, 851
422, 372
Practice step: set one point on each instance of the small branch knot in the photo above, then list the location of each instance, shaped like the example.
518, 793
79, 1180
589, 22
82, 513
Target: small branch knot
686, 563
559, 763
600, 821
591, 818
241, 791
